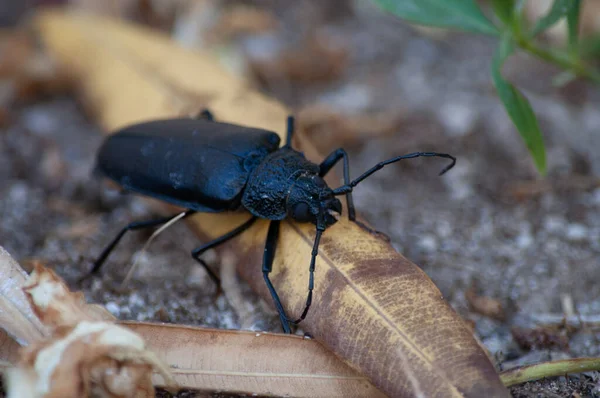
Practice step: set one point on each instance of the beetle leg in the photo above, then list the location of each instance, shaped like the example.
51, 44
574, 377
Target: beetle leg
349, 185
328, 164
131, 227
267, 267
311, 278
197, 252
206, 115
290, 131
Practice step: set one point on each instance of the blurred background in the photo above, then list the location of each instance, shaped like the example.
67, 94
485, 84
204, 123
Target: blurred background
515, 254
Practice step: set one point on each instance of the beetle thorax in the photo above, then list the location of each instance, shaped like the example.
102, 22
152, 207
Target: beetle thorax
286, 184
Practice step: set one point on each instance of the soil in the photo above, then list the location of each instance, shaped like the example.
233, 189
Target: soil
491, 229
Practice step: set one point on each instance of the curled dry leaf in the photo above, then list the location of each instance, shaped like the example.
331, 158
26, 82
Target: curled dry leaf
86, 352
98, 357
372, 307
55, 305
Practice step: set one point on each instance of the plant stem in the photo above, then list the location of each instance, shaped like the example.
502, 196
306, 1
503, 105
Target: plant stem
548, 369
559, 59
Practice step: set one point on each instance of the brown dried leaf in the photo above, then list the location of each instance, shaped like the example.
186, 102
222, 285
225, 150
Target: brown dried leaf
541, 338
372, 307
25, 71
55, 305
317, 60
329, 129
483, 305
242, 19
253, 363
16, 49
9, 350
16, 316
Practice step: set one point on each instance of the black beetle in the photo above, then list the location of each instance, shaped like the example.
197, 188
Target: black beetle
207, 166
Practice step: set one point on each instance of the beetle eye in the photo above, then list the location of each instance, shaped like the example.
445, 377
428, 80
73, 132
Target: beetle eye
301, 212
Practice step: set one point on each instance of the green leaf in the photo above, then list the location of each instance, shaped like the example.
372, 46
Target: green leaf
456, 14
589, 47
559, 9
518, 107
573, 24
504, 10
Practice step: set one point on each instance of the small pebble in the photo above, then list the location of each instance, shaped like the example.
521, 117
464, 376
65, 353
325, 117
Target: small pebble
428, 243
554, 223
458, 118
576, 232
135, 300
113, 308
524, 240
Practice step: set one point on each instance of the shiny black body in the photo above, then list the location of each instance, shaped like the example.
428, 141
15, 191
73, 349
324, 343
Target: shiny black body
206, 166
195, 164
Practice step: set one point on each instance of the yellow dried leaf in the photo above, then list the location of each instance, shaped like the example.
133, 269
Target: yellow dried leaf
372, 307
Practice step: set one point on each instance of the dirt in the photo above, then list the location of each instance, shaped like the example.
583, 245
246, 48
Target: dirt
490, 226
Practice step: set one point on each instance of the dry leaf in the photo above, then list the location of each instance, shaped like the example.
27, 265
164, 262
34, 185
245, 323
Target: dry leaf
25, 71
16, 316
483, 305
9, 350
253, 363
98, 357
55, 305
85, 353
317, 60
16, 49
541, 338
242, 19
331, 129
372, 307
120, 8
206, 359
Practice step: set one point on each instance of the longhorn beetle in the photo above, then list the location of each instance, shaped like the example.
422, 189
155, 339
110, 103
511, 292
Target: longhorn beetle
207, 166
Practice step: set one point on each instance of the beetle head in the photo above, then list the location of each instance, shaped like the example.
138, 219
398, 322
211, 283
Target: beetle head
311, 200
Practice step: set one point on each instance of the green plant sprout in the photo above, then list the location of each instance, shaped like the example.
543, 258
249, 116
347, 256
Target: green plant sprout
514, 32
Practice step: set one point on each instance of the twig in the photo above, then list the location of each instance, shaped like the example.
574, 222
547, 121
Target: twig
147, 244
538, 371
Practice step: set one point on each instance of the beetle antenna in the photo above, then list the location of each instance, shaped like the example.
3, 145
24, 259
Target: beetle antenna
344, 189
311, 274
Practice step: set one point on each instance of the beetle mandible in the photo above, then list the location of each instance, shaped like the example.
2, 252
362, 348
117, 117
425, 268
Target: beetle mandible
207, 166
